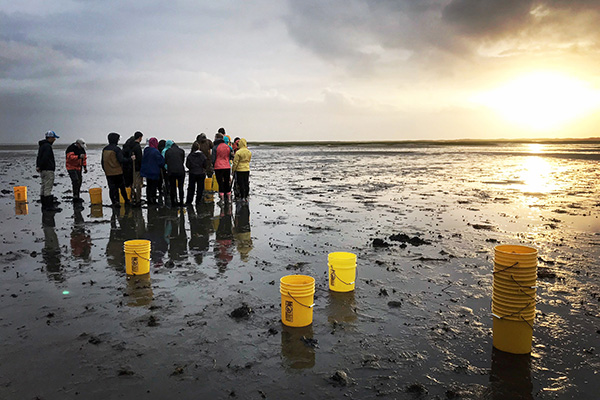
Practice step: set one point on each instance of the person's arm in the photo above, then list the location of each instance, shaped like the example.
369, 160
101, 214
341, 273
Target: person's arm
236, 161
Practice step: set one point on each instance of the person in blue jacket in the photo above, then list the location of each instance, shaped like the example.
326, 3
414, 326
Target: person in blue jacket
152, 163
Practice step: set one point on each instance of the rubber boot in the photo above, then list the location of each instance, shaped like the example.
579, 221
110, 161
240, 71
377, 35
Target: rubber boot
48, 201
229, 197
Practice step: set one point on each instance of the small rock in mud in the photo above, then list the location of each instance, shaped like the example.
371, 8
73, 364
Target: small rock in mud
241, 312
491, 240
394, 304
33, 254
383, 292
152, 321
484, 227
545, 273
340, 378
416, 388
298, 265
404, 238
380, 243
177, 371
125, 372
273, 331
314, 343
94, 340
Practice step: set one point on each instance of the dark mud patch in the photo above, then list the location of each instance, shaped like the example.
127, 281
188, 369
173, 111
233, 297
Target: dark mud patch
242, 312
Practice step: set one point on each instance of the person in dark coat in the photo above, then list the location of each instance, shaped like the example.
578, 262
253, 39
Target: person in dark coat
112, 165
76, 161
196, 164
152, 163
46, 166
131, 171
206, 146
174, 160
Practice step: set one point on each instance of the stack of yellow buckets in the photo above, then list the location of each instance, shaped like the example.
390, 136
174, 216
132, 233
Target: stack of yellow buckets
21, 206
513, 298
298, 291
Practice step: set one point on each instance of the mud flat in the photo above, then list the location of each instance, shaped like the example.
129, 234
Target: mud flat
423, 220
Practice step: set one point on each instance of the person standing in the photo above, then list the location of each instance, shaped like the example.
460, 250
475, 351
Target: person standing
196, 164
152, 163
46, 166
132, 149
206, 146
174, 160
76, 162
241, 168
221, 155
112, 165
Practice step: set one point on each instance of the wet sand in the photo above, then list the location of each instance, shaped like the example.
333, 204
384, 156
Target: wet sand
418, 324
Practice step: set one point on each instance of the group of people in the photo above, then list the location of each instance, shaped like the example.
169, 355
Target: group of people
162, 163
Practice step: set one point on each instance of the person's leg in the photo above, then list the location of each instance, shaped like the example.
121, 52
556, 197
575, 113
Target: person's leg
121, 184
172, 188
180, 184
113, 190
191, 189
243, 178
136, 189
77, 190
200, 187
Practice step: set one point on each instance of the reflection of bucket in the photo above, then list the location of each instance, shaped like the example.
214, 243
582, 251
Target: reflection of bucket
342, 271
297, 296
137, 257
95, 195
296, 353
20, 194
341, 307
128, 190
510, 376
139, 290
512, 336
21, 208
208, 184
96, 211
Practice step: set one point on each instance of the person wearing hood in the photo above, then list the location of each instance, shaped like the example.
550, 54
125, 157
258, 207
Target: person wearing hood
131, 171
206, 146
152, 163
174, 160
46, 166
196, 164
112, 165
241, 168
76, 162
221, 156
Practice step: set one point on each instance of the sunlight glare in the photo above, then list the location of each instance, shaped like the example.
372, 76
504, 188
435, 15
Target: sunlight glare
542, 101
536, 175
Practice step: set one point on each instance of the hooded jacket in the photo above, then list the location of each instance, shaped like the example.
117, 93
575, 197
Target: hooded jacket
152, 162
241, 160
112, 156
174, 159
73, 161
132, 147
221, 155
45, 157
196, 163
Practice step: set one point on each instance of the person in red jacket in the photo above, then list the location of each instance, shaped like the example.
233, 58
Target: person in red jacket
76, 162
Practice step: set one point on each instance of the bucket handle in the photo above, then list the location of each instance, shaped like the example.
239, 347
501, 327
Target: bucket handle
507, 268
304, 305
337, 277
527, 322
143, 258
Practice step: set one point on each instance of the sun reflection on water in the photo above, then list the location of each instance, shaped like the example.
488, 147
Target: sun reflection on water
537, 175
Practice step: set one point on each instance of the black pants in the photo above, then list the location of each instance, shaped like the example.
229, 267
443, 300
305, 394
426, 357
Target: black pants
152, 190
223, 180
195, 186
243, 181
76, 178
176, 181
116, 183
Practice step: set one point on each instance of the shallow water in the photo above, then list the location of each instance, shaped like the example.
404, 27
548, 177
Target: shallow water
418, 324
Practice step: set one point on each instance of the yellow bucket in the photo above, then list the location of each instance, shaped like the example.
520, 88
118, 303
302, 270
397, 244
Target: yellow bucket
95, 195
137, 257
96, 211
297, 300
512, 336
514, 282
514, 315
128, 190
342, 271
20, 194
21, 208
208, 184
508, 255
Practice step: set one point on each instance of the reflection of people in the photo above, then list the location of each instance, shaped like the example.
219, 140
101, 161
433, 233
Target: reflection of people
155, 233
46, 166
124, 227
176, 235
224, 241
200, 224
242, 236
51, 250
112, 164
131, 171
241, 169
76, 162
81, 241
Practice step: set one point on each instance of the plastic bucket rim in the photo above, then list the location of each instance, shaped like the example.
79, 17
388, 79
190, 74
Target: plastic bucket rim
311, 281
501, 249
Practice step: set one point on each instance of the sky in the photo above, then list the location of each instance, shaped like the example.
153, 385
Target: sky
300, 70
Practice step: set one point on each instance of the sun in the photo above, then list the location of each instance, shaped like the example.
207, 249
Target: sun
542, 101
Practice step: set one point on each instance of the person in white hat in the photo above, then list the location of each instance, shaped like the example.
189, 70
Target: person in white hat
46, 166
76, 163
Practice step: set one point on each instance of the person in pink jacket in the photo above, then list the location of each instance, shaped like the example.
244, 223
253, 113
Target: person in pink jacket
222, 154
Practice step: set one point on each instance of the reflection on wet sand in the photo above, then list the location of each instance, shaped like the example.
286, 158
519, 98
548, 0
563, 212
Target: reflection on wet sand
96, 211
510, 376
124, 225
241, 231
81, 241
21, 208
176, 234
139, 290
155, 233
224, 240
296, 349
200, 221
341, 307
51, 250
